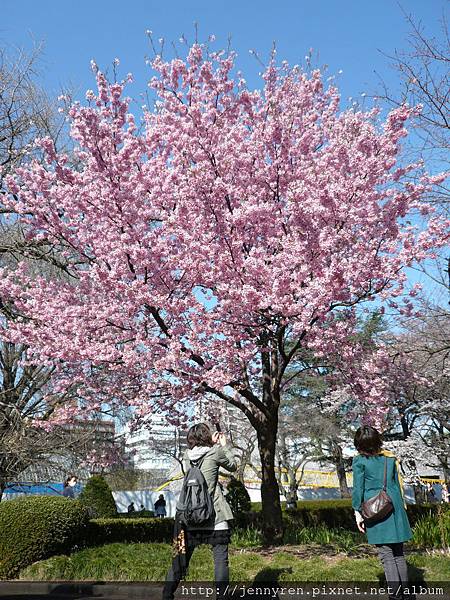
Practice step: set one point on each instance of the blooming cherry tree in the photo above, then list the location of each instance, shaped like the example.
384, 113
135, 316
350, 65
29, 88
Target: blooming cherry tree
197, 246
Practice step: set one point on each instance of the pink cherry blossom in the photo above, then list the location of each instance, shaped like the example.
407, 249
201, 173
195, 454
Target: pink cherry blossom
203, 249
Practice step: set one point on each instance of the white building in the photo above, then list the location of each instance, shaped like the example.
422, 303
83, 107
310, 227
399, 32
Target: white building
154, 447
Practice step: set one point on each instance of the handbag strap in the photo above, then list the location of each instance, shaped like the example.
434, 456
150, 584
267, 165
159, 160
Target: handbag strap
385, 474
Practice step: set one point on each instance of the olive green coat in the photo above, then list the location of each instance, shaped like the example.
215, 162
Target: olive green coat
368, 472
212, 460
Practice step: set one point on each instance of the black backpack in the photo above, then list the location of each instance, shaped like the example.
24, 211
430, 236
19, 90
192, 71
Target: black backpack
195, 506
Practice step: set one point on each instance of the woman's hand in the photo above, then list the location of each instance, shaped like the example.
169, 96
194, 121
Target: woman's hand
218, 437
361, 527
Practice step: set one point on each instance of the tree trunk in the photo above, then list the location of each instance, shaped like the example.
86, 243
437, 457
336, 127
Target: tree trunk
245, 460
270, 493
419, 495
2, 487
340, 470
289, 487
445, 464
292, 490
240, 472
343, 486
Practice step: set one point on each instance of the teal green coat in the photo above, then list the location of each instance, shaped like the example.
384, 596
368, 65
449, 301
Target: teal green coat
368, 474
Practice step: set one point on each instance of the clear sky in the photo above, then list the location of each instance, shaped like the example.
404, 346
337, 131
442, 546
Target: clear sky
347, 34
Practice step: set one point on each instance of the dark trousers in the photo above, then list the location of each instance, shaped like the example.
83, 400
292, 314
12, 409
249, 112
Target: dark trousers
221, 571
395, 568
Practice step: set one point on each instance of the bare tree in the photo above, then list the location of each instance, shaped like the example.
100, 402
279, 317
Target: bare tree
26, 444
26, 110
26, 398
424, 70
425, 75
330, 449
244, 440
421, 411
423, 401
27, 113
294, 451
166, 443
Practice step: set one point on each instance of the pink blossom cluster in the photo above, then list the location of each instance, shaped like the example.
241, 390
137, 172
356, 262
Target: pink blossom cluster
198, 245
368, 387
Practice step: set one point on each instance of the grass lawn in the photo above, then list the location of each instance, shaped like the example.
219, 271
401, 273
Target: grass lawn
149, 562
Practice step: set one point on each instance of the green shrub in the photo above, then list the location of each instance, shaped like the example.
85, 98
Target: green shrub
332, 514
341, 539
307, 523
37, 527
248, 537
98, 498
239, 500
339, 513
138, 514
335, 502
417, 511
432, 531
332, 503
109, 531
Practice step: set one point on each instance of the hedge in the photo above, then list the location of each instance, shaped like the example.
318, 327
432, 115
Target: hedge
137, 514
335, 502
145, 530
97, 496
333, 513
418, 511
35, 528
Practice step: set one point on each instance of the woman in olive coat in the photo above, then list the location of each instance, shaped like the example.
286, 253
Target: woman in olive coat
389, 533
210, 452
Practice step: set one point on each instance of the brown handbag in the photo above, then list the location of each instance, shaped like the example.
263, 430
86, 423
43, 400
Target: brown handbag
380, 506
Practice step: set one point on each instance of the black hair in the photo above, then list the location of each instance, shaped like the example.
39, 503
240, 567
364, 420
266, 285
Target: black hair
368, 440
68, 478
199, 435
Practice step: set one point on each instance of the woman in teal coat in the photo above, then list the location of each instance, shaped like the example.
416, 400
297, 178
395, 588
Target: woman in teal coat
388, 534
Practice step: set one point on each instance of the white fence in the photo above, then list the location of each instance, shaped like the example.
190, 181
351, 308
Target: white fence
144, 498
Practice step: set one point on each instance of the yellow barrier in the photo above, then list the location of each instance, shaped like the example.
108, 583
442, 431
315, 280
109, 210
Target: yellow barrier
169, 481
430, 480
310, 479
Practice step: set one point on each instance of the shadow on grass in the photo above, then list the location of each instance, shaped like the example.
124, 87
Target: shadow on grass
266, 580
416, 577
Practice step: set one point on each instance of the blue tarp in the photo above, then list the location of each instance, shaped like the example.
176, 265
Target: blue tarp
45, 489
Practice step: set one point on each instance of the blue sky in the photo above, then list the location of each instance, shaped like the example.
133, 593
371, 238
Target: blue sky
347, 35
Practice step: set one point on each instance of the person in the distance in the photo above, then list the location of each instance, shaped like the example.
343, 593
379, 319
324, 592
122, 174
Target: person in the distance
160, 507
68, 487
